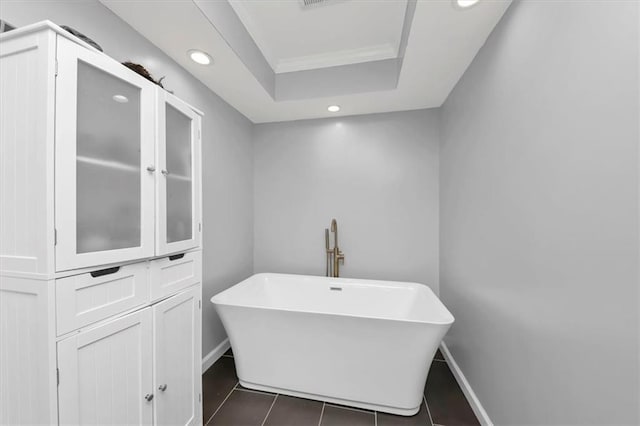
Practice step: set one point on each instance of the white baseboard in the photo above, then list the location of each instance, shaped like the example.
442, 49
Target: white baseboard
215, 354
476, 406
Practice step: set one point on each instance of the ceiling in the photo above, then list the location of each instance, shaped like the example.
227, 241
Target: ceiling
277, 60
293, 37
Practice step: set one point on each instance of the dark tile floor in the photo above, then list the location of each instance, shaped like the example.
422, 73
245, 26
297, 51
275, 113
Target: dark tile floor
227, 403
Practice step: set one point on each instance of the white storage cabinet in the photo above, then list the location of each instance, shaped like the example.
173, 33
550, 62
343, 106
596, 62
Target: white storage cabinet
100, 229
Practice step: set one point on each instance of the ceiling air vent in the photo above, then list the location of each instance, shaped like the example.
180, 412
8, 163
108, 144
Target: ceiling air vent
312, 3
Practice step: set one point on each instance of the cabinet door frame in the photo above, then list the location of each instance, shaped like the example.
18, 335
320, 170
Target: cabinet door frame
194, 295
162, 246
68, 56
68, 364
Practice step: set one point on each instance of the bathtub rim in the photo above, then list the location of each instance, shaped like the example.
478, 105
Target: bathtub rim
342, 315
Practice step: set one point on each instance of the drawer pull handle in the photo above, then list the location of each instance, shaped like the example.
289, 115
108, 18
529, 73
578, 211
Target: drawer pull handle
176, 256
106, 271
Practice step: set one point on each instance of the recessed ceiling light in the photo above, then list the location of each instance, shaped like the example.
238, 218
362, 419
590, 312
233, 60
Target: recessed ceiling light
200, 57
465, 3
120, 99
333, 108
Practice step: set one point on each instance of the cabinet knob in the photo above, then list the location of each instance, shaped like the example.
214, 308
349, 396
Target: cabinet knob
148, 397
165, 172
151, 169
163, 387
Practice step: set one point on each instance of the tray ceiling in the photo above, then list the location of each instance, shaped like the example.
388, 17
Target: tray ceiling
293, 37
277, 60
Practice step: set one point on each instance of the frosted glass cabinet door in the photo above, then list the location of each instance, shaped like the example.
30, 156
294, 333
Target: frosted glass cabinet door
104, 144
178, 184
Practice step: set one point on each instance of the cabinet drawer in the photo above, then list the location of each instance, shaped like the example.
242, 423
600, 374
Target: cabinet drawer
91, 297
171, 274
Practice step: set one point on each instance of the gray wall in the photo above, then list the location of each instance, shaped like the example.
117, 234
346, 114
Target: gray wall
376, 174
539, 215
538, 201
226, 143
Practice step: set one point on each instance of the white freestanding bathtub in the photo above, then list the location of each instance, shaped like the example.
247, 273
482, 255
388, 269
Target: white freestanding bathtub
361, 343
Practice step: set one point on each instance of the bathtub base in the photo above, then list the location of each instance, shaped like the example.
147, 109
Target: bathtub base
346, 402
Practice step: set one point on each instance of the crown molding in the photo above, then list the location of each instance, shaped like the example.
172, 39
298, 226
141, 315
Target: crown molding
337, 58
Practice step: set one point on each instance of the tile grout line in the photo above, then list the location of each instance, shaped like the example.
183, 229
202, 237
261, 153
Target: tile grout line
344, 407
321, 413
428, 411
269, 412
222, 403
254, 391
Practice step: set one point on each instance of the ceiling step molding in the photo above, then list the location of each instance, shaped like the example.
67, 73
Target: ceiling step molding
338, 58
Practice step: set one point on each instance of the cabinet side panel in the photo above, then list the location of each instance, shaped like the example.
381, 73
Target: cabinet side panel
27, 357
27, 89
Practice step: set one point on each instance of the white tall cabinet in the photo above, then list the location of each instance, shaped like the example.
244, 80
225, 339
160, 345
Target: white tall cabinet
100, 230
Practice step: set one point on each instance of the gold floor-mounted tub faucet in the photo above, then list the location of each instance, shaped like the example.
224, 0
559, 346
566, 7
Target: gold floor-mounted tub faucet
334, 255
